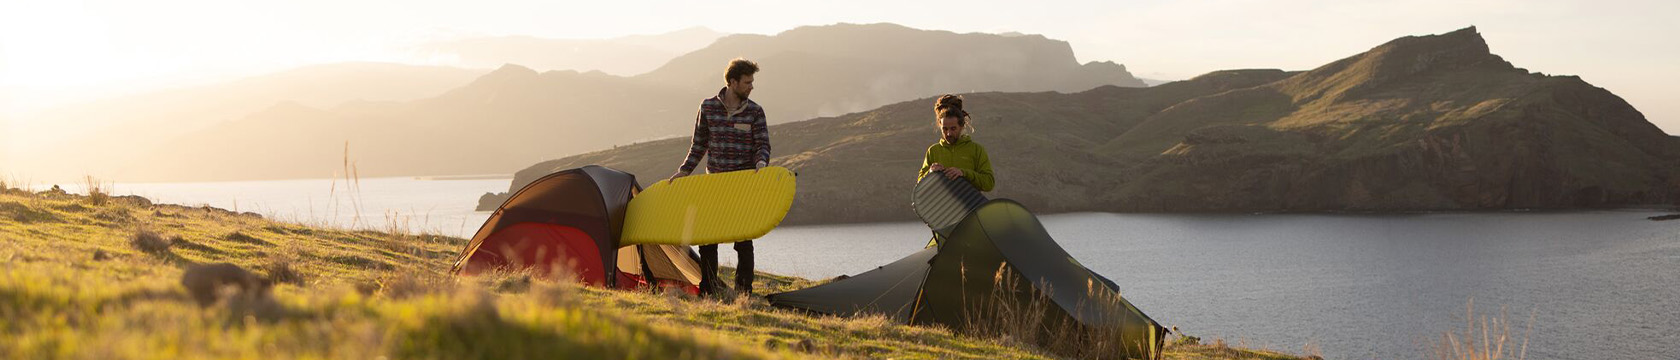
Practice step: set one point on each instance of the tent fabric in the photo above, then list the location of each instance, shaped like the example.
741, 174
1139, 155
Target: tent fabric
1003, 235
888, 290
543, 248
570, 197
591, 201
617, 187
665, 261
998, 243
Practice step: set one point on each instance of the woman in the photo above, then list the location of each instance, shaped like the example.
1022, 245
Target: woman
955, 155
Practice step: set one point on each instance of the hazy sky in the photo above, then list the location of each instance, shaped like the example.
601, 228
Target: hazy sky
52, 48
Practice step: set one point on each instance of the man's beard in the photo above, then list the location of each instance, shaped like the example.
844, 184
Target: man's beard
739, 95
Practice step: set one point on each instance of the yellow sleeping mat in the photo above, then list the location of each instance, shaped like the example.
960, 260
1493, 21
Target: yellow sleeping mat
710, 208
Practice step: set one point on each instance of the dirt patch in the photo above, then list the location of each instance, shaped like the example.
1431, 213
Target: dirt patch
241, 237
24, 214
360, 262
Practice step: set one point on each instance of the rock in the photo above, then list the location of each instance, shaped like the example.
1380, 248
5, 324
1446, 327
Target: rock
490, 201
151, 242
209, 284
135, 200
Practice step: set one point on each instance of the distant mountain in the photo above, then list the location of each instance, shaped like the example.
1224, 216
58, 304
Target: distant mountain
509, 117
516, 116
1153, 82
837, 69
102, 136
628, 55
1432, 122
1419, 123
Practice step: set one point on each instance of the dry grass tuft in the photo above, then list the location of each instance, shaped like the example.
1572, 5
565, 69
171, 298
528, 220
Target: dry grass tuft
1312, 351
511, 282
149, 241
403, 285
244, 306
99, 192
556, 294
281, 269
1016, 313
117, 215
1482, 338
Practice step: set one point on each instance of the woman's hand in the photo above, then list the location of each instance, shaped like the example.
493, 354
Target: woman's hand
936, 167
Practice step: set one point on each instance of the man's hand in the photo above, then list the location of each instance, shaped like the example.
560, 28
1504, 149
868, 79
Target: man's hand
759, 166
953, 173
675, 176
936, 167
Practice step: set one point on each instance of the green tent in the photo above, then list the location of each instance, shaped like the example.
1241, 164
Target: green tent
998, 273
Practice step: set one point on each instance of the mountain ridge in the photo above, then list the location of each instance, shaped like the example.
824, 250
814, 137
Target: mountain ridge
516, 115
1421, 123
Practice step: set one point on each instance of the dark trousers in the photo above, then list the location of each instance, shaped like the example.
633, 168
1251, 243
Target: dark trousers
743, 267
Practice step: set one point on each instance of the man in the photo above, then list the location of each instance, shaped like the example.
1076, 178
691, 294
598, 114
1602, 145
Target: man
730, 131
956, 155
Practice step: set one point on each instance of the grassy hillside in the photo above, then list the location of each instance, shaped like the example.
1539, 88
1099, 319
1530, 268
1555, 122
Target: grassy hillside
99, 277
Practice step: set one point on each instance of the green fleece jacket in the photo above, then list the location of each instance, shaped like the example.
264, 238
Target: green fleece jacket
963, 154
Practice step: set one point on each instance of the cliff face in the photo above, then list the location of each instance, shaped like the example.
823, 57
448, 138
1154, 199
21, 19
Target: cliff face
1420, 123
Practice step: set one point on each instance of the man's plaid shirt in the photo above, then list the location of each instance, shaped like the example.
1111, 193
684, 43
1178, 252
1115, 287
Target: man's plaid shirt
733, 141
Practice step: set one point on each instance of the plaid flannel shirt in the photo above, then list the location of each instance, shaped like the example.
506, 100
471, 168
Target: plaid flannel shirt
729, 141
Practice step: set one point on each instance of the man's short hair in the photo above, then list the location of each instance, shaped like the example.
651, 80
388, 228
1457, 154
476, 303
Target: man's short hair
738, 68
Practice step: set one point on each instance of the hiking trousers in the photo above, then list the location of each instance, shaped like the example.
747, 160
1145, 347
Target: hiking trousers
743, 267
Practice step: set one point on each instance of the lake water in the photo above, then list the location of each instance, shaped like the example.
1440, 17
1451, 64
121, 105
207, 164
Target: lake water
431, 206
1598, 284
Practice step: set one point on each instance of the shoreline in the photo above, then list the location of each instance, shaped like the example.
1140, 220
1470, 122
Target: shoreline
1348, 213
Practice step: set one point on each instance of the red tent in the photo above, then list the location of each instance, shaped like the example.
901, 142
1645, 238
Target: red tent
567, 224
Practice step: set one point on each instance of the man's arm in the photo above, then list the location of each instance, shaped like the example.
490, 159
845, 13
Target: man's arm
702, 137
761, 140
